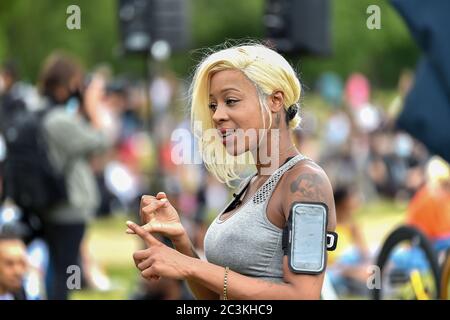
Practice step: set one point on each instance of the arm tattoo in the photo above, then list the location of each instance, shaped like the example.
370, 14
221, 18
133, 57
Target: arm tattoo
310, 187
266, 282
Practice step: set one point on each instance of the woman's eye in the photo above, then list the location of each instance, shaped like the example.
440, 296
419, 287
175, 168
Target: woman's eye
212, 106
231, 101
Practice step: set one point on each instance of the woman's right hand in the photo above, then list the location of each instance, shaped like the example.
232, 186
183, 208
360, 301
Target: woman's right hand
159, 216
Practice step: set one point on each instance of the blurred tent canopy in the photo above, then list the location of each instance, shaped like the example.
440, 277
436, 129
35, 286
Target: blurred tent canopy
426, 114
30, 30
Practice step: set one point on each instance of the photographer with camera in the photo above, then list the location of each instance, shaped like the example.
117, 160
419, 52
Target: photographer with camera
74, 134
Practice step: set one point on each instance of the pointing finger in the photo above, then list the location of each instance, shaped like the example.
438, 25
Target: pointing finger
147, 237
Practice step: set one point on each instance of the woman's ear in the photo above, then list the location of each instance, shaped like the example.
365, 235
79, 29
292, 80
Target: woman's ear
276, 101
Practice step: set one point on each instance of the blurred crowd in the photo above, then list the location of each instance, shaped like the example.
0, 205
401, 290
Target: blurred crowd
111, 136
368, 158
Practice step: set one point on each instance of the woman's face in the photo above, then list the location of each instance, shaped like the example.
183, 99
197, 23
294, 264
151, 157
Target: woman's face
235, 110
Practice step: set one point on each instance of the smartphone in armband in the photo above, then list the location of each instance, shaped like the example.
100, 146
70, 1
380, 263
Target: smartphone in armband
305, 237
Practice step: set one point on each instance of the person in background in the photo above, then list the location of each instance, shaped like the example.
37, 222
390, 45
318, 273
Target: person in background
349, 262
75, 133
13, 267
429, 209
11, 101
11, 106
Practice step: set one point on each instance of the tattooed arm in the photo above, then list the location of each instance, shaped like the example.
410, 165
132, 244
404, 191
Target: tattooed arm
304, 182
308, 182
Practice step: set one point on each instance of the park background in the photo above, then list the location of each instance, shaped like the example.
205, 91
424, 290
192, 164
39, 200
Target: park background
31, 30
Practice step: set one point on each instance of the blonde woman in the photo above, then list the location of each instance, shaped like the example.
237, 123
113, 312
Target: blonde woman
244, 102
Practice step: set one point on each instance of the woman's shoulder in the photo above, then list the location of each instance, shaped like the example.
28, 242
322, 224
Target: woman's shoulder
306, 181
305, 177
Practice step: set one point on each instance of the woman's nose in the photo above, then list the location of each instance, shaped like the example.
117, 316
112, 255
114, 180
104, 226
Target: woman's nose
220, 114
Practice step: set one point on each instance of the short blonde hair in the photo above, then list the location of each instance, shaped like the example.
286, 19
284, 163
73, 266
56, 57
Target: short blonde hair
266, 69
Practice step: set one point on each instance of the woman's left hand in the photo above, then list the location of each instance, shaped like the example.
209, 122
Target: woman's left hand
158, 260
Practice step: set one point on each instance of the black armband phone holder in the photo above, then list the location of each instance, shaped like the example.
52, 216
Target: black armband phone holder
332, 240
305, 238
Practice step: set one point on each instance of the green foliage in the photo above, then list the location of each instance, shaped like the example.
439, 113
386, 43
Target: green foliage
30, 30
33, 29
380, 54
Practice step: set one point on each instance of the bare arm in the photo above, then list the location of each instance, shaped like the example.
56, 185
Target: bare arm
162, 261
159, 216
309, 184
199, 290
241, 287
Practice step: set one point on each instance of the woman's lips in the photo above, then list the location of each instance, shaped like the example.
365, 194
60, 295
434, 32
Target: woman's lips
226, 134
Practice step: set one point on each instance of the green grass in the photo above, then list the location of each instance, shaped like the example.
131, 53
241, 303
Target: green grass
379, 218
113, 248
123, 281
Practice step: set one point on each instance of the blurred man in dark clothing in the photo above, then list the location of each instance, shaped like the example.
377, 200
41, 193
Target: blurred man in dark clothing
11, 102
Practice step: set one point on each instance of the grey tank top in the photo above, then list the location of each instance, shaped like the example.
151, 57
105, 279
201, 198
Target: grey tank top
247, 242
